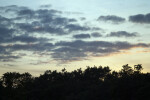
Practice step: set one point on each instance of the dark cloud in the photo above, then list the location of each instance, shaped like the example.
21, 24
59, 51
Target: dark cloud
100, 44
3, 50
73, 51
8, 55
122, 34
96, 34
26, 13
140, 18
4, 21
31, 47
92, 48
5, 32
32, 28
41, 21
81, 36
112, 18
8, 58
68, 54
8, 35
29, 39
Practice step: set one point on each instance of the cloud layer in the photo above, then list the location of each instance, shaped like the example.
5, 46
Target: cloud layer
38, 31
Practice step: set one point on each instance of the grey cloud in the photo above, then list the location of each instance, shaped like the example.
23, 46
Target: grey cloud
4, 20
122, 34
80, 43
5, 34
46, 6
28, 39
5, 31
76, 27
41, 29
82, 18
100, 44
81, 36
12, 8
112, 18
62, 21
42, 21
92, 48
140, 18
7, 51
27, 13
96, 34
3, 50
8, 58
48, 11
31, 47
68, 54
96, 29
75, 50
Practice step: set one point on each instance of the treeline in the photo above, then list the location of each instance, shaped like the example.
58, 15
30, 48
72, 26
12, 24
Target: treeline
93, 83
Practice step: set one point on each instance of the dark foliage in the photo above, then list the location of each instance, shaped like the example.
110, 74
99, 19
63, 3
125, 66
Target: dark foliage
94, 83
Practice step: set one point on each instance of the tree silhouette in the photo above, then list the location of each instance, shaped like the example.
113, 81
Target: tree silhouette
138, 68
92, 83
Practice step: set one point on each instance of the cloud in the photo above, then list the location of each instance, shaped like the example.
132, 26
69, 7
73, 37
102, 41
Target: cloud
140, 18
38, 28
83, 49
81, 36
122, 34
5, 34
8, 58
96, 34
30, 47
26, 12
12, 8
82, 18
28, 39
3, 50
26, 20
68, 54
76, 27
4, 22
112, 18
46, 6
70, 51
82, 44
28, 30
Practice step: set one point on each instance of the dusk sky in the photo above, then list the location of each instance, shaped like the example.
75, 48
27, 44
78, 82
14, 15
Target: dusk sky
54, 34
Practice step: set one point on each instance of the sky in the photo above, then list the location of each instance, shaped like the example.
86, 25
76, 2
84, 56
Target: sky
41, 35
